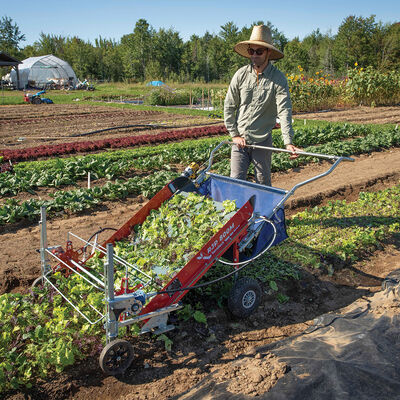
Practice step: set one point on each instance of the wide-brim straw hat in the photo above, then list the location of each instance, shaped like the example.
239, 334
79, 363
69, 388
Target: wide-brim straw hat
261, 35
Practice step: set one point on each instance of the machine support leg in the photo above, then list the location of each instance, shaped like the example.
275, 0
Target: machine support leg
235, 258
44, 261
111, 321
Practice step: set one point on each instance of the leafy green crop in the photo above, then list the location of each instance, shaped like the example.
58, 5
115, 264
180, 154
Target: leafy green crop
361, 139
82, 199
169, 237
28, 176
340, 231
46, 335
42, 335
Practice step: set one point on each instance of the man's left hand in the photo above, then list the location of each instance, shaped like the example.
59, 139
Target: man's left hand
293, 149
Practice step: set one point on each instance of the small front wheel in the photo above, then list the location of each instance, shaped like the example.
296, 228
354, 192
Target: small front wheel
244, 298
116, 357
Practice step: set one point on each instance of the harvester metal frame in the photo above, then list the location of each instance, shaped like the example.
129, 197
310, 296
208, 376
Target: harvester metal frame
128, 306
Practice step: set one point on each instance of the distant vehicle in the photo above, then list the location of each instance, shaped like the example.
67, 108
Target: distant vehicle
36, 99
85, 85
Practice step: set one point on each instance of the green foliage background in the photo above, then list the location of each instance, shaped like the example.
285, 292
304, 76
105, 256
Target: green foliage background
148, 54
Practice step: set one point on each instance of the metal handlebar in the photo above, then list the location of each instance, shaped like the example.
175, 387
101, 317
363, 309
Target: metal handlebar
337, 159
300, 153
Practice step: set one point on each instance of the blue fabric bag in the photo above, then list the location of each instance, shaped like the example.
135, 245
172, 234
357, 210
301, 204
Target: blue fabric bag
221, 188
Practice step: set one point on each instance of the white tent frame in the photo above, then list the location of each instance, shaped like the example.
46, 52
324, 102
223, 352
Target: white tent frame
32, 73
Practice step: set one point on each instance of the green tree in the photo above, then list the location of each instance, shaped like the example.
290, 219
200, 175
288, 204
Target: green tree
229, 59
108, 59
50, 44
167, 53
82, 58
278, 38
388, 46
354, 43
295, 55
312, 45
136, 50
28, 51
191, 59
10, 37
201, 58
213, 68
326, 54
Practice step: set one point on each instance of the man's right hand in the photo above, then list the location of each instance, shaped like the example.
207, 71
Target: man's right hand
239, 141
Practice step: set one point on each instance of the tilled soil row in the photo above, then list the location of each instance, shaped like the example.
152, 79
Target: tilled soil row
357, 115
39, 119
66, 128
31, 111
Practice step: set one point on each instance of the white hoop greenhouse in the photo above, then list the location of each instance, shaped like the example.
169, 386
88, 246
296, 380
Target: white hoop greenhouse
44, 70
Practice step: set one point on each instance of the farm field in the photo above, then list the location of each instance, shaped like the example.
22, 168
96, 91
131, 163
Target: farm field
358, 115
68, 122
197, 350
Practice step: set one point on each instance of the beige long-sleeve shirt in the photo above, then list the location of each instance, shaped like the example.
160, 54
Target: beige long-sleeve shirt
252, 105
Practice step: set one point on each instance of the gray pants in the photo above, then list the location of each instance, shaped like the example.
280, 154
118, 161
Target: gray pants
241, 159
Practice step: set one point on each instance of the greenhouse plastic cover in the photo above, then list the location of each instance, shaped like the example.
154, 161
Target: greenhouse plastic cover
351, 354
40, 70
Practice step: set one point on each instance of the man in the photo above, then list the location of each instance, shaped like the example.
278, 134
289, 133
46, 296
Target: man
257, 95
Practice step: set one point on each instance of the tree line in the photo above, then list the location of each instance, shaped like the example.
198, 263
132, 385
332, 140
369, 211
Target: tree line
149, 54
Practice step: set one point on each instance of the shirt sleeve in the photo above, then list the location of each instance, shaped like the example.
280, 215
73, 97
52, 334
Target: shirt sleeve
284, 111
231, 105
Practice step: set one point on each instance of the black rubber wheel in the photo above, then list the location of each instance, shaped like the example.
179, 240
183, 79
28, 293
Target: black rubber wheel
116, 357
36, 100
244, 298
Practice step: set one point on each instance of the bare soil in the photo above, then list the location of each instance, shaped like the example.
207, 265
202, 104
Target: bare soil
33, 125
359, 115
226, 347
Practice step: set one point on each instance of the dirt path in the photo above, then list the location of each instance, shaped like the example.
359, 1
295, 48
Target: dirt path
357, 115
30, 125
225, 343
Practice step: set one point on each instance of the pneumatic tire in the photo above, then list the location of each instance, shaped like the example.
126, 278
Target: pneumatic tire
244, 298
36, 100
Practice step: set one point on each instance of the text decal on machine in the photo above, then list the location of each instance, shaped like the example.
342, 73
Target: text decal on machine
227, 233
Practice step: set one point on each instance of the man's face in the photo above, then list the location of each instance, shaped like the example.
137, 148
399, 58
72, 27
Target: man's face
258, 59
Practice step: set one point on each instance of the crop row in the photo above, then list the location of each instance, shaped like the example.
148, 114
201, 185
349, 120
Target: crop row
42, 334
76, 200
34, 153
374, 141
341, 232
59, 172
83, 199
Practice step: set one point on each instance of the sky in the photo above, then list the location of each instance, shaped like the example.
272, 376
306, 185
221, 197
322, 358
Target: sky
111, 19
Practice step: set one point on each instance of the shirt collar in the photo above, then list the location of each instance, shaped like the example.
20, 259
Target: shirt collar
266, 70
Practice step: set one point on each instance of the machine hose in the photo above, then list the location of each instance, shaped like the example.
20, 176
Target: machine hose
148, 126
97, 233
